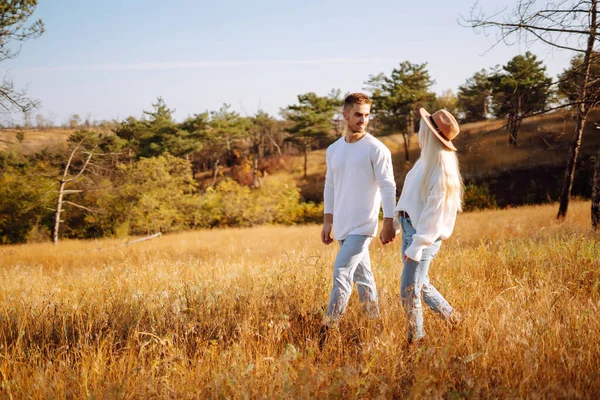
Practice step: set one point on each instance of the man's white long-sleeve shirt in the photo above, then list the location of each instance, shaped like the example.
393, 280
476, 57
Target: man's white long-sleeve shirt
359, 179
432, 217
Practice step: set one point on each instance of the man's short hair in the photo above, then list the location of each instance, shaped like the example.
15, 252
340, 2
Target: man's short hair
356, 98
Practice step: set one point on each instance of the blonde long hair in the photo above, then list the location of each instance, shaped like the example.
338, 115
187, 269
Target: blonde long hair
434, 156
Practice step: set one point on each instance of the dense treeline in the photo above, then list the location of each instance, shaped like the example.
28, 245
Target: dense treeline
120, 192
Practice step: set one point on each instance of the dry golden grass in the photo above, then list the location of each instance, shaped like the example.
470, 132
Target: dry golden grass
234, 313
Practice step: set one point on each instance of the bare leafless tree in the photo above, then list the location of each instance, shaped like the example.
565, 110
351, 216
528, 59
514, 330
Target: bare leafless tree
565, 24
14, 28
596, 192
67, 178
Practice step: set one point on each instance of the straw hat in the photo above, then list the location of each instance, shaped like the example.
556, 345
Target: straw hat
443, 125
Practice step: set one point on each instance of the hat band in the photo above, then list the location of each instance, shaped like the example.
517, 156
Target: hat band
437, 128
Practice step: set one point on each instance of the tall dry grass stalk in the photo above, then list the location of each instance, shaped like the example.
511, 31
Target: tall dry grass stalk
235, 313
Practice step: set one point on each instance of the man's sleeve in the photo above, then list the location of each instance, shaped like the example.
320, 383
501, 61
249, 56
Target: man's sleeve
328, 190
384, 174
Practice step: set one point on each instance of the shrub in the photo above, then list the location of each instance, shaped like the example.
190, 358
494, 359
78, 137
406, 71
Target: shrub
25, 201
276, 201
478, 198
153, 195
311, 212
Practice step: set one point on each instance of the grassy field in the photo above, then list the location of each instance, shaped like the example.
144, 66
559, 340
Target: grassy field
234, 313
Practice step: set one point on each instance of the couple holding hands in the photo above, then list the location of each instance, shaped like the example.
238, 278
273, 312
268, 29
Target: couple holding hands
359, 179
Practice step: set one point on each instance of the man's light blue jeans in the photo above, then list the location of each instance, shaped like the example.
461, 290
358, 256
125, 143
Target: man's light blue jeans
352, 264
415, 285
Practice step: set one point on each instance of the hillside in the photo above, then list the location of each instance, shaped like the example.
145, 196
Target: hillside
534, 168
34, 140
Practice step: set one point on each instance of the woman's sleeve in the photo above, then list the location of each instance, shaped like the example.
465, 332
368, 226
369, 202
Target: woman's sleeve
430, 223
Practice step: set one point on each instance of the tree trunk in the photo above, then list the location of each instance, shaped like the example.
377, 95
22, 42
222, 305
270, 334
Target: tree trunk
59, 202
306, 147
215, 171
274, 143
509, 127
261, 148
256, 178
513, 127
410, 123
61, 190
406, 138
512, 140
485, 108
565, 193
582, 113
596, 194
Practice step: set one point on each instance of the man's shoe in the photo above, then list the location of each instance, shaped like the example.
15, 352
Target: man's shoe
323, 334
413, 343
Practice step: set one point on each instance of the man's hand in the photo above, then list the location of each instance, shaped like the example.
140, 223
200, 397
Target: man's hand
406, 259
326, 233
388, 232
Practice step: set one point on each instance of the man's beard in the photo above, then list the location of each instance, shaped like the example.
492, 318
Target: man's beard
357, 130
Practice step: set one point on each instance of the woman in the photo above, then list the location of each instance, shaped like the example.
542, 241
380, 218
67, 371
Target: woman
426, 211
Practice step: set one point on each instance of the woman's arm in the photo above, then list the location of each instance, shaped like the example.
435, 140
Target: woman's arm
430, 224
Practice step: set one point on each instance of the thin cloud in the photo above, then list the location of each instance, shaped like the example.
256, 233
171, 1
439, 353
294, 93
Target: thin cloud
142, 66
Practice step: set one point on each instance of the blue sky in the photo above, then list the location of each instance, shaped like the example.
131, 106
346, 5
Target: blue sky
112, 59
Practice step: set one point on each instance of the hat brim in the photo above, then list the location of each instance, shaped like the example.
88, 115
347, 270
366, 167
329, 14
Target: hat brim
427, 118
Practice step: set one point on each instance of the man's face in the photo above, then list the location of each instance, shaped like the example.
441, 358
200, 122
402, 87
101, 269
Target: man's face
357, 117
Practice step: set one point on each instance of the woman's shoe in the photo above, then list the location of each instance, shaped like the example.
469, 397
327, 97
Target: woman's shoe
454, 319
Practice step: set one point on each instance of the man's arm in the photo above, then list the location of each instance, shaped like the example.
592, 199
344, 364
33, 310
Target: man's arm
328, 195
326, 231
384, 174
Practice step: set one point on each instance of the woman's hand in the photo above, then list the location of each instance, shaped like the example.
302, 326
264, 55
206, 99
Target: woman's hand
388, 232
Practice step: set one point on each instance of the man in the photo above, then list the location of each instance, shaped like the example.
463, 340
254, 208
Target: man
359, 179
